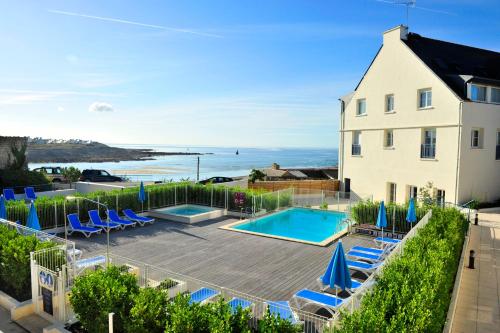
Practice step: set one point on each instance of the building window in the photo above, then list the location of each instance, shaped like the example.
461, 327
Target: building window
388, 138
440, 197
495, 95
428, 148
477, 93
412, 192
476, 138
497, 155
356, 143
424, 98
361, 107
389, 103
391, 192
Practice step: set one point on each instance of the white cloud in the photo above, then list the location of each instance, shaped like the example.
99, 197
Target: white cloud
60, 109
101, 107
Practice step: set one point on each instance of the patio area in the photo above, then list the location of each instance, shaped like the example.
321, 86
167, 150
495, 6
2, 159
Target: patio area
268, 268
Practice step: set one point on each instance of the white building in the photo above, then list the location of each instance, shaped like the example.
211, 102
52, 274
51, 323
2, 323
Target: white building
425, 111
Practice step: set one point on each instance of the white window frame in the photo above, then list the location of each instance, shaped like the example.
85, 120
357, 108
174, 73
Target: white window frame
428, 98
472, 85
491, 95
360, 101
386, 137
392, 190
412, 192
440, 194
479, 138
387, 104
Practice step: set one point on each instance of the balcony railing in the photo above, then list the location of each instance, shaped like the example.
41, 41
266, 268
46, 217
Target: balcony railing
497, 155
356, 150
428, 151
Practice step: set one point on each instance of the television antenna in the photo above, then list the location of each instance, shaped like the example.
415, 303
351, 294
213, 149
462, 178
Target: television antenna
413, 4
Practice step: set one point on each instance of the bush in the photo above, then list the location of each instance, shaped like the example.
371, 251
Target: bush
98, 293
274, 324
19, 178
149, 312
413, 292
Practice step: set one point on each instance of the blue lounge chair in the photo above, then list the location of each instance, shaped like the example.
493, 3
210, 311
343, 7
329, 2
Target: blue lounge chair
239, 302
371, 250
283, 310
76, 226
362, 266
96, 221
355, 284
306, 297
114, 217
8, 194
30, 193
365, 256
203, 295
90, 262
129, 213
386, 241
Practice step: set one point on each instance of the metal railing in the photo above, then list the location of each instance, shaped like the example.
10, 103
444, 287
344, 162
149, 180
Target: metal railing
428, 151
356, 150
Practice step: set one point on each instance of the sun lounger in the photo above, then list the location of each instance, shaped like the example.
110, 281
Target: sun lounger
30, 193
371, 250
96, 221
90, 262
239, 302
8, 194
362, 266
328, 302
283, 310
203, 295
114, 217
355, 284
76, 226
132, 216
386, 241
365, 256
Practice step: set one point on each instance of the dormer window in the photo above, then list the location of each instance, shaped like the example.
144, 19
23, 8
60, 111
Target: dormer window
485, 94
477, 93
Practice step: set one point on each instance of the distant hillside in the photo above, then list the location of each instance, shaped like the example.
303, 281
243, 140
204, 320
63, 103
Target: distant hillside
67, 151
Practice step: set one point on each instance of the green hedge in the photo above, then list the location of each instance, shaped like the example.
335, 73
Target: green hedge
413, 292
17, 179
366, 212
51, 211
99, 292
15, 270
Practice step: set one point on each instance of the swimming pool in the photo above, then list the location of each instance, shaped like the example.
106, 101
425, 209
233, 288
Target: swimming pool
187, 213
312, 226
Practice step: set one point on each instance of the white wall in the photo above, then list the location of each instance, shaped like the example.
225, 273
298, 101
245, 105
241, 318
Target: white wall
49, 194
87, 187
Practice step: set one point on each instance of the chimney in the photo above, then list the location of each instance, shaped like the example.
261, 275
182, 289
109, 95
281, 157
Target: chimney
395, 34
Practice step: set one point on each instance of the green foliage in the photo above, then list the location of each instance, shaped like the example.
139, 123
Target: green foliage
72, 174
275, 324
366, 212
255, 175
20, 178
15, 273
413, 292
149, 312
98, 293
324, 206
426, 194
17, 160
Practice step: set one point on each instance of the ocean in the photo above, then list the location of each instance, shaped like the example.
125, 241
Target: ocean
218, 161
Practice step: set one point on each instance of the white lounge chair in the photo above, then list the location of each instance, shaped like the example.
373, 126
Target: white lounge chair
203, 295
362, 266
307, 297
365, 256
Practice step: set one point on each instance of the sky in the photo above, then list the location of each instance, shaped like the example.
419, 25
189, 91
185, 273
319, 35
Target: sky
245, 73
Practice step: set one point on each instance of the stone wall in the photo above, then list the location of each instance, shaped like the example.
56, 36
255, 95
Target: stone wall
6, 142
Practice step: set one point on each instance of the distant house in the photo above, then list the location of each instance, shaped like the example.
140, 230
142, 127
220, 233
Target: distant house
276, 173
425, 111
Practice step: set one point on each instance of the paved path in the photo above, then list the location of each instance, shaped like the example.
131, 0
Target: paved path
478, 303
6, 325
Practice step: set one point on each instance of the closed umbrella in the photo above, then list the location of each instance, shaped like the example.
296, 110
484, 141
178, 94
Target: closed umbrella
337, 273
3, 209
382, 218
411, 215
33, 222
142, 195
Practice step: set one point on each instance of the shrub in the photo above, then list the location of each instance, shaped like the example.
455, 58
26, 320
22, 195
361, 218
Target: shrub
414, 290
96, 294
275, 324
20, 178
149, 312
72, 174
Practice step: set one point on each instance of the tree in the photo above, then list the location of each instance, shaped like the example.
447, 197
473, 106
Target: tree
72, 174
256, 174
426, 194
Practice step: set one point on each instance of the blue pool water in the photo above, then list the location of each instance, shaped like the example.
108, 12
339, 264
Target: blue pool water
312, 225
186, 210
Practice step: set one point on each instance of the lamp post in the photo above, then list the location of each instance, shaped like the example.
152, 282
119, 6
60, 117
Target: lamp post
107, 222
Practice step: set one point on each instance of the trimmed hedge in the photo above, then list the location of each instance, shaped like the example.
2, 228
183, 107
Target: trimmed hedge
51, 210
15, 270
17, 179
414, 290
366, 212
99, 292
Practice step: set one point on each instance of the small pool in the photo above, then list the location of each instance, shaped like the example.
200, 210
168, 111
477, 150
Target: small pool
312, 226
187, 213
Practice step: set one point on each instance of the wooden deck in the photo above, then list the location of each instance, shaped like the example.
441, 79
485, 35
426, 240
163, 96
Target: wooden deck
268, 268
